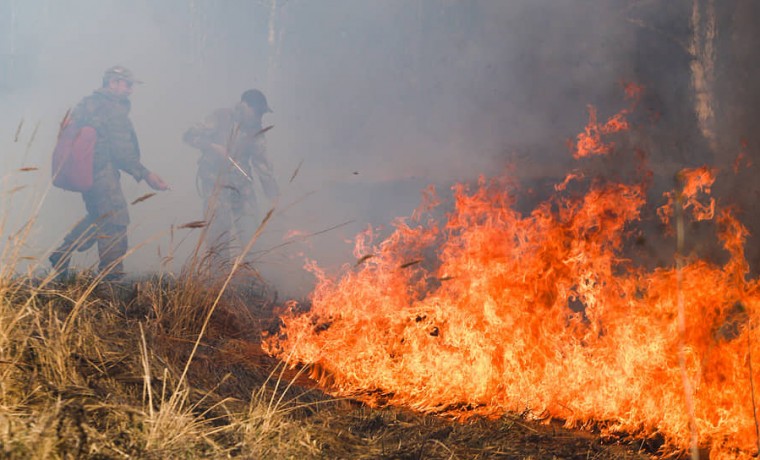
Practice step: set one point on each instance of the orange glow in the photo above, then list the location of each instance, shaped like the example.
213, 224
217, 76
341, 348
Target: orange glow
633, 91
492, 311
294, 234
742, 160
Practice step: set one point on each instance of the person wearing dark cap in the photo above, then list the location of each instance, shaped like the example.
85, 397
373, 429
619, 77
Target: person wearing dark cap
232, 165
116, 150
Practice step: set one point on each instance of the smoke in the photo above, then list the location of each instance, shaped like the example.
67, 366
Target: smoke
374, 100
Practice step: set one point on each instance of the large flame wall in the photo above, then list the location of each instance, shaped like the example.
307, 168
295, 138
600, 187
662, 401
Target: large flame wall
491, 311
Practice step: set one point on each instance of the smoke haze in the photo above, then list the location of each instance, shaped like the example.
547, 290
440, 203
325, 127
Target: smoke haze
374, 99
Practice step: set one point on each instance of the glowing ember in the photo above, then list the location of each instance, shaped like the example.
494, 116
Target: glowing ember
494, 311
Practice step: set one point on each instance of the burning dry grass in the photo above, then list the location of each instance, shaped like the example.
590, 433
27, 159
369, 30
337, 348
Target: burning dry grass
494, 311
501, 334
172, 367
108, 383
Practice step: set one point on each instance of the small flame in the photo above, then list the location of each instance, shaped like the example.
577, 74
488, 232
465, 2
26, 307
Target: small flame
590, 142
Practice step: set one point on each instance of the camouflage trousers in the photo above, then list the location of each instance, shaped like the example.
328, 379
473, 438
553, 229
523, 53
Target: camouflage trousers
232, 214
105, 224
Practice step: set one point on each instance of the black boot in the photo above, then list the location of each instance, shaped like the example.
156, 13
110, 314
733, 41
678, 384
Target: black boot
59, 261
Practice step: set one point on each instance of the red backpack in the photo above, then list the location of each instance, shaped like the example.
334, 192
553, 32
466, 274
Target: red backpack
73, 155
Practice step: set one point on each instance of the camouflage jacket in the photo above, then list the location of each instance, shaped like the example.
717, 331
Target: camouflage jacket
116, 148
245, 146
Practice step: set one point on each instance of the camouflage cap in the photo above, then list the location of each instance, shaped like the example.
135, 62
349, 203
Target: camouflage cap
121, 73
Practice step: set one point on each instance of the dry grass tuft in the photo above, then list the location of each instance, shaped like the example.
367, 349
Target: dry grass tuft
89, 369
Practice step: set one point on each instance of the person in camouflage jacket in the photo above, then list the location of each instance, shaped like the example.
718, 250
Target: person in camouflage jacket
116, 149
233, 148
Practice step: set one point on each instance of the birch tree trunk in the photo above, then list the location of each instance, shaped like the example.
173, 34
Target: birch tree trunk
703, 53
274, 38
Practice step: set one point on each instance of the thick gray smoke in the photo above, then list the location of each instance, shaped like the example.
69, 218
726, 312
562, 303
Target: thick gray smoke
373, 99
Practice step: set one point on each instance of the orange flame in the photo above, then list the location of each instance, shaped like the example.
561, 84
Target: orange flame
542, 314
590, 141
692, 181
